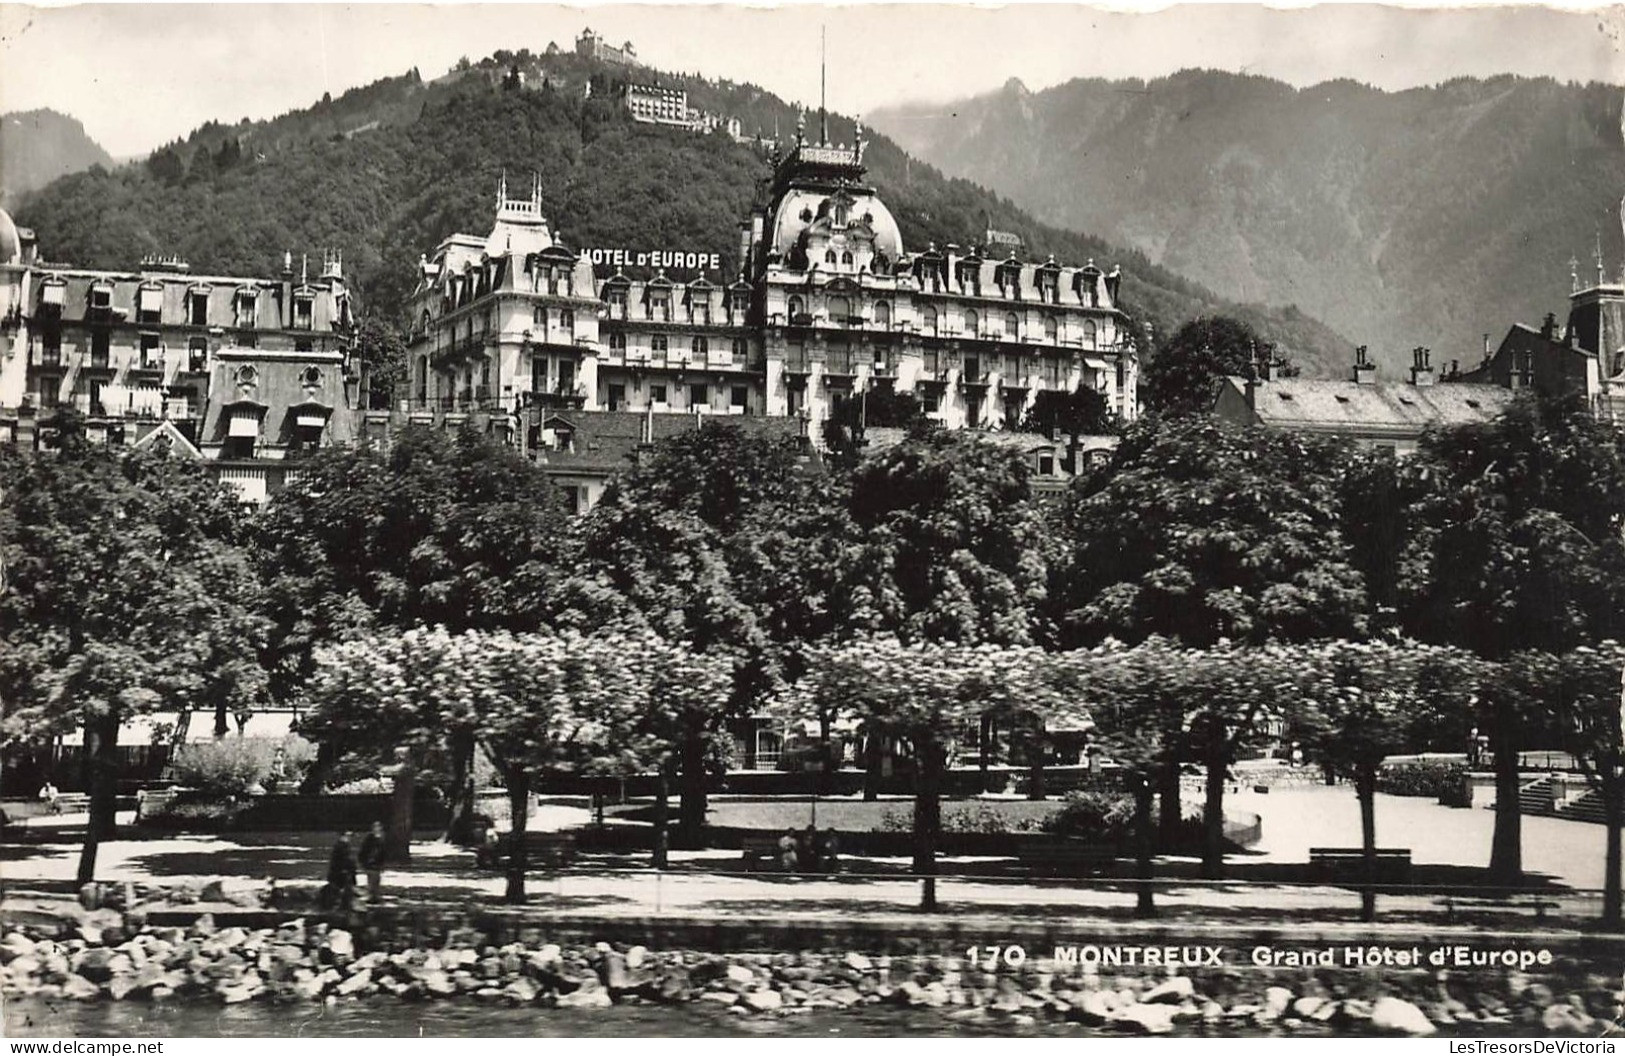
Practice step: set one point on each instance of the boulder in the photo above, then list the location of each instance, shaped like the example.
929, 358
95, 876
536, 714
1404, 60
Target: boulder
1093, 1007
15, 945
739, 975
585, 998
721, 997
340, 943
521, 991
360, 982
1306, 1007
764, 1000
78, 988
1146, 1018
1277, 999
637, 956
612, 970
1170, 991
1400, 1017
95, 963
857, 962
213, 891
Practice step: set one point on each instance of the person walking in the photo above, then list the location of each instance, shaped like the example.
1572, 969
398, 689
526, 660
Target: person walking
372, 860
341, 870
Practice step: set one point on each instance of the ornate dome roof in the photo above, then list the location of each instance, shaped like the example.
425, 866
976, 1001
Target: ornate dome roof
800, 207
11, 243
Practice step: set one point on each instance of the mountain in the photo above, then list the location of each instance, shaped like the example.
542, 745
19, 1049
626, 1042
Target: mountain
37, 146
386, 172
1421, 217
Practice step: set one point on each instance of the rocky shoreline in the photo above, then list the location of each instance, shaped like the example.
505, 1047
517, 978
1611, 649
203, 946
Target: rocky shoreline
306, 961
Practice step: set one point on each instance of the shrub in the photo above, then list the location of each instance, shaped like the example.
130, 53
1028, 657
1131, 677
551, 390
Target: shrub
236, 766
1101, 817
1446, 782
967, 817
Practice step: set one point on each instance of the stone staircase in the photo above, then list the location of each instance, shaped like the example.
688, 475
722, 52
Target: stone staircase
1536, 797
1587, 808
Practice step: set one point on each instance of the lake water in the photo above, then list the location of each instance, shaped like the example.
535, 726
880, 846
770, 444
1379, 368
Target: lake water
32, 1017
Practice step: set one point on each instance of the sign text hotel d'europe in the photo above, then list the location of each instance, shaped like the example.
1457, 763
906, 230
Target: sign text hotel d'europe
658, 258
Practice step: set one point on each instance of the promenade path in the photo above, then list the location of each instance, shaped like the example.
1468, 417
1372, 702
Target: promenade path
1569, 854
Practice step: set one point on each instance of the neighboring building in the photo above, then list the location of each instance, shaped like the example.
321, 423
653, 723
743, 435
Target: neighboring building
1374, 413
247, 373
1585, 358
651, 104
516, 332
590, 45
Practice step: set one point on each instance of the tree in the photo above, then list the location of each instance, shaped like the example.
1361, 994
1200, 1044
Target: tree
1508, 540
1201, 531
949, 543
1360, 702
1585, 689
459, 531
1140, 700
382, 352
1084, 412
923, 694
126, 591
1184, 375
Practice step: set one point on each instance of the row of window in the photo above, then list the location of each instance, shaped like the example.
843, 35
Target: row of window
150, 301
931, 320
699, 395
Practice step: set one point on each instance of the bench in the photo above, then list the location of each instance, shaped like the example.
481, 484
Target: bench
549, 850
1067, 858
761, 853
1389, 865
1453, 902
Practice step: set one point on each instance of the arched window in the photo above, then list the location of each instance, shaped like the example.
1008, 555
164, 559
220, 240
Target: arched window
829, 256
928, 319
882, 313
973, 321
1012, 326
1089, 333
1052, 329
839, 309
846, 258
617, 342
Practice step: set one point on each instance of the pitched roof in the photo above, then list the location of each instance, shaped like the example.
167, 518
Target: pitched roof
1352, 406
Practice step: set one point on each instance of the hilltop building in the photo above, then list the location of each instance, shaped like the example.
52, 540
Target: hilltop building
1374, 413
591, 46
520, 333
248, 373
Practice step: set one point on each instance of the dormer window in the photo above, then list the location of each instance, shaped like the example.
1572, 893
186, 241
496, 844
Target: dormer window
660, 305
197, 308
52, 294
303, 312
149, 304
101, 299
245, 310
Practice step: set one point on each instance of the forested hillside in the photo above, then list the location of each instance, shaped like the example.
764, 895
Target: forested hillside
1429, 216
387, 183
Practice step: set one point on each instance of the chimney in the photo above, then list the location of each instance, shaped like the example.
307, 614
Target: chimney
1421, 366
1548, 326
1365, 371
286, 307
1264, 363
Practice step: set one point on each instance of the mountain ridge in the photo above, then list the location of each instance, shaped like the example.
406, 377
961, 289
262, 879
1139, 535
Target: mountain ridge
37, 146
1429, 216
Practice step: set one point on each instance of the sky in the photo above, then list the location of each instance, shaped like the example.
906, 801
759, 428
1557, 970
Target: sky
140, 75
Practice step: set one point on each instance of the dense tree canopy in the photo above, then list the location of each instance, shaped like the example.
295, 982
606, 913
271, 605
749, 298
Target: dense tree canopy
1201, 531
